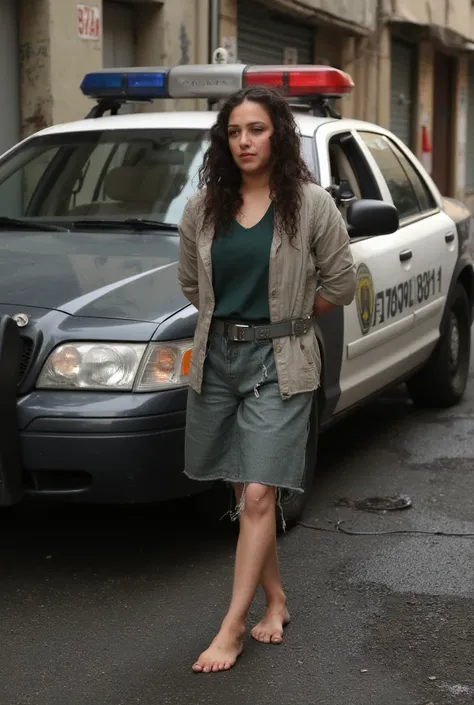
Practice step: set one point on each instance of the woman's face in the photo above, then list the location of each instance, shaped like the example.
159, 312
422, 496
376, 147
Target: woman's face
249, 132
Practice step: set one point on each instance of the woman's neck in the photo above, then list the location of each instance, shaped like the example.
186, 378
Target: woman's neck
255, 182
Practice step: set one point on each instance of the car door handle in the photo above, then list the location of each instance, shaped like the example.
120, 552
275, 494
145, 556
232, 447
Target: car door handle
449, 237
406, 255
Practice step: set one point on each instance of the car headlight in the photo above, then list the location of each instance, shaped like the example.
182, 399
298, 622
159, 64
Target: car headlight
117, 366
165, 365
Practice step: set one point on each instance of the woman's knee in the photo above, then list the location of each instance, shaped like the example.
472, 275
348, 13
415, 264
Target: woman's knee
259, 500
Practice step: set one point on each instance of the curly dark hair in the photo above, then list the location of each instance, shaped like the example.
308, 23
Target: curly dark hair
221, 178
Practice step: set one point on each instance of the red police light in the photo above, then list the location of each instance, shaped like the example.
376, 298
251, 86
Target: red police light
295, 81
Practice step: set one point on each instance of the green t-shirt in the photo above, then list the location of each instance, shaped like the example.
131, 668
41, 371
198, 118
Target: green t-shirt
240, 263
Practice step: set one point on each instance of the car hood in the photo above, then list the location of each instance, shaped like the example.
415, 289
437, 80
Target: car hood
94, 274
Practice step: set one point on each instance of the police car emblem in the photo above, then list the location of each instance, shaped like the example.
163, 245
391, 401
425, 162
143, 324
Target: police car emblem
365, 298
21, 319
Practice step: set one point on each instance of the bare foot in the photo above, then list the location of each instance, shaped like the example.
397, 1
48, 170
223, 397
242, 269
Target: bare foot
270, 629
222, 654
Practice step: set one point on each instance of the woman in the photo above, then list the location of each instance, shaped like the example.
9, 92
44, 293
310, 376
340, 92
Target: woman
253, 242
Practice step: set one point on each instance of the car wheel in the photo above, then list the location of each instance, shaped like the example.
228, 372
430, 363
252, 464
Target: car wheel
442, 382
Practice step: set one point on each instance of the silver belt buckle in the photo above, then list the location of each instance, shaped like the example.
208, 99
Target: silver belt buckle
300, 327
239, 336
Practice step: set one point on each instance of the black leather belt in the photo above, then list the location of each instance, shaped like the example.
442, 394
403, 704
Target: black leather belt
249, 332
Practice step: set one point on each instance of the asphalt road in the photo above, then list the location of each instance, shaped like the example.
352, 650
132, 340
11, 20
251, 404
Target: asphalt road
111, 606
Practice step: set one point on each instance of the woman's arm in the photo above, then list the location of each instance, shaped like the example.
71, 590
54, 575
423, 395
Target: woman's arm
333, 257
187, 264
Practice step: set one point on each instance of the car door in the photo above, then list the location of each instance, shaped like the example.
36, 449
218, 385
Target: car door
434, 251
379, 325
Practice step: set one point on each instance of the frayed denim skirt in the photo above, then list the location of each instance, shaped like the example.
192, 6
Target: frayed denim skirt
239, 429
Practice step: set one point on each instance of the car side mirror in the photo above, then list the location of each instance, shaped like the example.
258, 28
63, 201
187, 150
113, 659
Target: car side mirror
369, 218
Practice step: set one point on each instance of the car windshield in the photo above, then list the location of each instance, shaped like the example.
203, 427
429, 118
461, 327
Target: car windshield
105, 174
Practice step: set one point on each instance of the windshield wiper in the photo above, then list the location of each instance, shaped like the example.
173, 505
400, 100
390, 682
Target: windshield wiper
125, 223
20, 224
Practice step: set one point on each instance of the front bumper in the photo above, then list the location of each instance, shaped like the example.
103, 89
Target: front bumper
74, 449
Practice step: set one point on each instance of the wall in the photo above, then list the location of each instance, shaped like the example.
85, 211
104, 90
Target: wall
461, 127
228, 27
54, 59
358, 14
367, 61
455, 15
328, 47
176, 33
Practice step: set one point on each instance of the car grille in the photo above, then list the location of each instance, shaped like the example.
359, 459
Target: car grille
26, 353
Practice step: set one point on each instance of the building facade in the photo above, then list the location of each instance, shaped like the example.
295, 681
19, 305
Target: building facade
430, 85
410, 60
46, 47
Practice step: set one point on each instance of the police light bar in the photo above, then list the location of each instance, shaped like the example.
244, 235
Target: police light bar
214, 81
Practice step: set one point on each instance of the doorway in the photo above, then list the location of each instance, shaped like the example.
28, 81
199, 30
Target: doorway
443, 132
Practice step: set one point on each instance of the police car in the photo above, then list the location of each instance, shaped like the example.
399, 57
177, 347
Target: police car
96, 336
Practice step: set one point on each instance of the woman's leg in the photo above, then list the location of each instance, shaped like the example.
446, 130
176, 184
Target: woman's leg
270, 629
257, 531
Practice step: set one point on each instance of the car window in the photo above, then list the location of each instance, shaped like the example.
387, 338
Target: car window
423, 193
351, 175
26, 167
342, 169
398, 181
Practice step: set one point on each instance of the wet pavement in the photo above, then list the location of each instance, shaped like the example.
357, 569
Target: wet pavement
111, 606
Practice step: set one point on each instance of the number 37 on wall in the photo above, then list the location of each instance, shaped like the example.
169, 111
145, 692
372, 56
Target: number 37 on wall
88, 22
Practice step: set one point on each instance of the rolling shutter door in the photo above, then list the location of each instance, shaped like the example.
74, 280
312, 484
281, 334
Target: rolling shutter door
264, 38
402, 97
470, 132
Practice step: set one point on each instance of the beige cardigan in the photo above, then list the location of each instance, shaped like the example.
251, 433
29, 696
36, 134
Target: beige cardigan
320, 256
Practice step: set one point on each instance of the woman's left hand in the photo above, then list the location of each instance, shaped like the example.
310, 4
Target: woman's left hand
321, 307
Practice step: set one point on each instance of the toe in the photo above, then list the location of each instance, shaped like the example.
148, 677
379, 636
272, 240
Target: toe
277, 639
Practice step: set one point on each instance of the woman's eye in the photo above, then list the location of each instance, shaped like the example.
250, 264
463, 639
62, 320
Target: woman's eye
232, 133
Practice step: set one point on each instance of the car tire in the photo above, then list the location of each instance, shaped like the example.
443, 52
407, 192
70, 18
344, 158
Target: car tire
442, 381
215, 504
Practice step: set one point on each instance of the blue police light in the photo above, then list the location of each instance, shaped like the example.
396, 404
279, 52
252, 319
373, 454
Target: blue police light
147, 84
96, 84
144, 85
